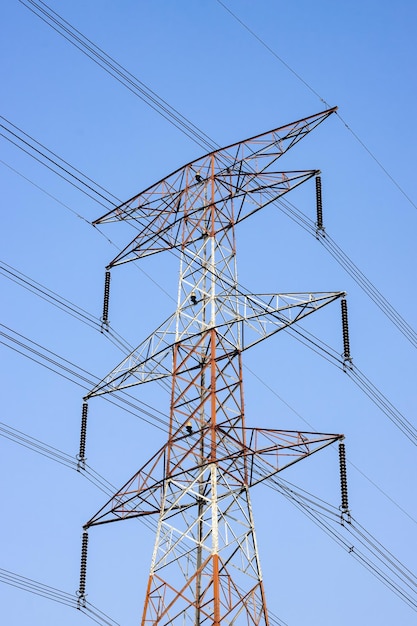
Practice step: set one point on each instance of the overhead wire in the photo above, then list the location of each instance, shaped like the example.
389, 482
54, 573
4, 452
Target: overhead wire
56, 595
65, 29
42, 157
336, 252
44, 191
117, 71
78, 375
350, 268
54, 454
313, 91
100, 194
87, 472
383, 565
28, 584
357, 377
373, 555
61, 303
324, 514
392, 413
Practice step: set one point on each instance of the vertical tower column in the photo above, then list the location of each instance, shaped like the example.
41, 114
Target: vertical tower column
205, 567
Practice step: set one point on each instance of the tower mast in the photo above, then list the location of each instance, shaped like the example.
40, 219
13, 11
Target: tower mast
205, 566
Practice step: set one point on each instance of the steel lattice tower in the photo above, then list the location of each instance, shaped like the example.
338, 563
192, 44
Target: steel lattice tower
205, 566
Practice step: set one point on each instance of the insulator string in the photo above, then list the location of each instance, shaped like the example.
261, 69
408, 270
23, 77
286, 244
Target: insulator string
81, 455
105, 317
343, 479
345, 329
83, 569
319, 205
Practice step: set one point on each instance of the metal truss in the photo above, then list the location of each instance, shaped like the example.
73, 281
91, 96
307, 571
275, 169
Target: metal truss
205, 566
266, 453
243, 321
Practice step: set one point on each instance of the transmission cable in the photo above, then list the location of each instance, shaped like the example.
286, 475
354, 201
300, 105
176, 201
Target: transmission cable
310, 88
83, 43
11, 273
88, 185
377, 559
54, 454
61, 303
286, 207
85, 317
75, 374
117, 71
42, 162
295, 214
319, 511
359, 379
56, 595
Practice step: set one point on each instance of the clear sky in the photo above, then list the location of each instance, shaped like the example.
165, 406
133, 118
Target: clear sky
232, 79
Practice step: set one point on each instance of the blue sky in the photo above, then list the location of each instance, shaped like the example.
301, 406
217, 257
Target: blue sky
206, 64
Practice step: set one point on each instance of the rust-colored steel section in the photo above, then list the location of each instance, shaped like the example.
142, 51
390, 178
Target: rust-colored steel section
205, 567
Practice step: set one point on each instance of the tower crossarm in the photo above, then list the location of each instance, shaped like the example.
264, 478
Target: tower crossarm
242, 322
266, 453
237, 195
255, 154
205, 566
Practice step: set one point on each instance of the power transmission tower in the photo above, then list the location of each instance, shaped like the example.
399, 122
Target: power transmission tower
205, 566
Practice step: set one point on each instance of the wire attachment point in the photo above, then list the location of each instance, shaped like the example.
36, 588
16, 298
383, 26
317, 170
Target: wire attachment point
81, 455
81, 595
105, 316
319, 207
344, 508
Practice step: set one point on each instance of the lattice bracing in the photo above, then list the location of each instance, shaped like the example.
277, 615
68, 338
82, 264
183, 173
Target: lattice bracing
266, 453
205, 566
242, 322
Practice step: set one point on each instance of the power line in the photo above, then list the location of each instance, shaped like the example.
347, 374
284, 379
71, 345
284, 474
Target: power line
170, 114
393, 414
372, 555
117, 71
87, 186
358, 378
77, 375
51, 162
61, 303
56, 595
376, 558
280, 59
310, 88
350, 268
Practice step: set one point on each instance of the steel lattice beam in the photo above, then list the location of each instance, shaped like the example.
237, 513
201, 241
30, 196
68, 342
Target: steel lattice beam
205, 566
